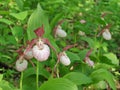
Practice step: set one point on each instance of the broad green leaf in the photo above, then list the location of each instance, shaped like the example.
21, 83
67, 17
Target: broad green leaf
102, 85
1, 88
73, 56
6, 85
103, 74
78, 78
29, 83
31, 71
113, 58
58, 84
17, 32
103, 65
36, 20
6, 21
20, 16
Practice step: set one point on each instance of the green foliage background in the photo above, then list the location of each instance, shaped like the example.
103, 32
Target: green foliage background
19, 19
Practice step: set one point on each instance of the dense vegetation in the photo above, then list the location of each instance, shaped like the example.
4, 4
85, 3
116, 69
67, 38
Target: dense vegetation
59, 44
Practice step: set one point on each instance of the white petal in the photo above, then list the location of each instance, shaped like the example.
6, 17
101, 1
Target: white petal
106, 35
81, 33
65, 60
21, 65
82, 21
89, 62
41, 54
61, 33
28, 55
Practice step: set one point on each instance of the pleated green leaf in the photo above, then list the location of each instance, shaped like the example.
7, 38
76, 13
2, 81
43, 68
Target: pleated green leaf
36, 20
58, 84
78, 78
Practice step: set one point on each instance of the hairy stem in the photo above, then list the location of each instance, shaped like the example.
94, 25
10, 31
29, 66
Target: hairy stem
37, 75
21, 79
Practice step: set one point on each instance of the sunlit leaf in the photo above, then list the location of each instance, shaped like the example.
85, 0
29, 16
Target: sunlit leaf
6, 85
103, 74
1, 76
58, 84
20, 16
6, 21
113, 58
78, 78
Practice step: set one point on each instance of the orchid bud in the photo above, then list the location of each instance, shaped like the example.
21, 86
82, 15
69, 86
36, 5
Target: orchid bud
41, 51
60, 32
81, 33
82, 21
64, 59
1, 16
106, 34
28, 54
21, 65
89, 62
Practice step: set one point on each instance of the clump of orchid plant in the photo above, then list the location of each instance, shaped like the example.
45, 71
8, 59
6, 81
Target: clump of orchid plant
37, 48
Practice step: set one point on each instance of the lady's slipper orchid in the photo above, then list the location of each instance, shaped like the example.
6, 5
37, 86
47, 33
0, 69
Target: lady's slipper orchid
21, 64
82, 21
89, 62
60, 32
41, 51
106, 34
64, 59
87, 59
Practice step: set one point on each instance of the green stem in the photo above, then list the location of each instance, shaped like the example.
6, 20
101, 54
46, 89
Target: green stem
37, 75
75, 38
21, 79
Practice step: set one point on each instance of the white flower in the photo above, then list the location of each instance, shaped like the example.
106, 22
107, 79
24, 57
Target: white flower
64, 59
106, 34
41, 51
60, 32
81, 33
1, 16
21, 65
28, 55
89, 62
82, 21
